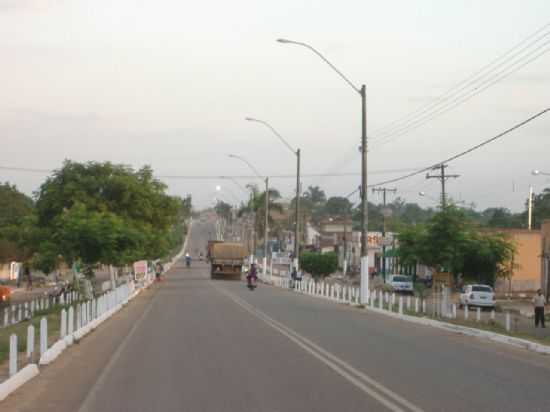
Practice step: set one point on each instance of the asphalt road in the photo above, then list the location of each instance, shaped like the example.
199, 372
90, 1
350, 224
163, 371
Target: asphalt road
193, 344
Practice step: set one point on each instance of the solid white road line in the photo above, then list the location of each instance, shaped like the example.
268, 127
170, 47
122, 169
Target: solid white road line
368, 385
92, 395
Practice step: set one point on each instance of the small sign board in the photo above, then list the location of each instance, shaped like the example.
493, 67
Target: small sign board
140, 268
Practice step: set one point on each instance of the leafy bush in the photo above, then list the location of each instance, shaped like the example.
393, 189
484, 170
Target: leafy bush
319, 264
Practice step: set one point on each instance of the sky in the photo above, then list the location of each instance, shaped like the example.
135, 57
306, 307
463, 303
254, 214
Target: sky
169, 84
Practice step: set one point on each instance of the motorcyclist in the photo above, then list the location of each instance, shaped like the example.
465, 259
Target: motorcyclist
187, 259
252, 274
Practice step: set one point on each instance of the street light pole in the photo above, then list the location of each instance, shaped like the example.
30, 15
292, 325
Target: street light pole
297, 214
266, 229
297, 152
364, 200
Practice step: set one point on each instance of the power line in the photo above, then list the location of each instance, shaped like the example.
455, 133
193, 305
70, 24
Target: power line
231, 177
462, 98
465, 152
476, 77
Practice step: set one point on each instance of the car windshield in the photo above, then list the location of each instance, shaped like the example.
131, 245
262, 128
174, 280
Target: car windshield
481, 289
401, 279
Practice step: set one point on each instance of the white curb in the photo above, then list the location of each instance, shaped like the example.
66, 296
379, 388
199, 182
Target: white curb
464, 330
52, 353
17, 380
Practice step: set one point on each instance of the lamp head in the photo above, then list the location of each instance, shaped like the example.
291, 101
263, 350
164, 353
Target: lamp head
284, 41
535, 172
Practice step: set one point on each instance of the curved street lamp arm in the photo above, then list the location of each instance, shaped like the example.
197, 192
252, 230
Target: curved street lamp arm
242, 159
348, 81
281, 138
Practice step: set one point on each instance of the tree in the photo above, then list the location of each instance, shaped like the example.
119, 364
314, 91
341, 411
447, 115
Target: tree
315, 195
103, 213
541, 207
224, 210
256, 205
338, 206
16, 209
450, 242
319, 264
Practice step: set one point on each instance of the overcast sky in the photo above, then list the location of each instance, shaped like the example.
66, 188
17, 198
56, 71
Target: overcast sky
169, 83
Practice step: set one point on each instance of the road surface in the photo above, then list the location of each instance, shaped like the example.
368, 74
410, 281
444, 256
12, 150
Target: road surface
192, 344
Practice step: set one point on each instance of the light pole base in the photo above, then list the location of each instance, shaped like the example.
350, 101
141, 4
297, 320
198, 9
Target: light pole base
364, 280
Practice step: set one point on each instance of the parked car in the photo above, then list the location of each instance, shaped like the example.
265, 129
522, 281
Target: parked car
478, 295
402, 283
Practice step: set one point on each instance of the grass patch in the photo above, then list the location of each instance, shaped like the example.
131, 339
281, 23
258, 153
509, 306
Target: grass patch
53, 315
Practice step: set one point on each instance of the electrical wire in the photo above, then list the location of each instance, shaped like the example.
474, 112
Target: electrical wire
476, 77
465, 152
214, 177
461, 99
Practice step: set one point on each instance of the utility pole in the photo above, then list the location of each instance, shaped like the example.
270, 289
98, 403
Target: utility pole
530, 208
266, 227
442, 178
384, 190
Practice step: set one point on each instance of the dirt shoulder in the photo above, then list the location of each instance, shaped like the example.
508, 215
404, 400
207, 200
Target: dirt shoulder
63, 385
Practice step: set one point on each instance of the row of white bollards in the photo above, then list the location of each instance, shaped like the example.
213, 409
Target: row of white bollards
380, 299
86, 312
23, 311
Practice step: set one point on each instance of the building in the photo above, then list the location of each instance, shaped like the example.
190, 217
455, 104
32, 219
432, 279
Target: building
530, 264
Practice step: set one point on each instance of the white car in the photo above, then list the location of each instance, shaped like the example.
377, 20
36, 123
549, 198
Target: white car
478, 295
402, 283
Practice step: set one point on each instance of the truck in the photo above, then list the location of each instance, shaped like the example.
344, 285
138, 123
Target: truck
211, 244
226, 260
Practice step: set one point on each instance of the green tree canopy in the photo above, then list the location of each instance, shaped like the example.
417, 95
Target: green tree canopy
103, 213
319, 264
16, 209
451, 242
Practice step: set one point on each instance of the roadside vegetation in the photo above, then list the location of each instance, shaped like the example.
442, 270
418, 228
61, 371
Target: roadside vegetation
91, 214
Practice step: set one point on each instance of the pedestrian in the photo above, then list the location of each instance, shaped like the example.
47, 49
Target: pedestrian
18, 274
158, 270
28, 275
538, 302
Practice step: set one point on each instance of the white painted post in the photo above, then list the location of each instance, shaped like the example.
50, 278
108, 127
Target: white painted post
47, 303
381, 301
364, 279
32, 307
454, 311
30, 343
70, 321
62, 299
63, 326
26, 311
424, 306
373, 299
13, 354
400, 305
6, 317
416, 305
13, 319
493, 314
409, 302
20, 313
466, 314
478, 315
43, 335
508, 322
78, 317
